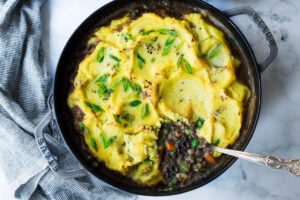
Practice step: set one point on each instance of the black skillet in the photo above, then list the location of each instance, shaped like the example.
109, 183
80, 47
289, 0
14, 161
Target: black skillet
61, 116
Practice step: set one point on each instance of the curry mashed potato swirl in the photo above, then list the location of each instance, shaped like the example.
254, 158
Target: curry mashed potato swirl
150, 69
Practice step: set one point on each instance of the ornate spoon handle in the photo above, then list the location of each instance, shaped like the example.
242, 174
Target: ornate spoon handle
293, 166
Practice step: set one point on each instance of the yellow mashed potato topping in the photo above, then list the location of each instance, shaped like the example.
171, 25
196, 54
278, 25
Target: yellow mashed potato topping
150, 69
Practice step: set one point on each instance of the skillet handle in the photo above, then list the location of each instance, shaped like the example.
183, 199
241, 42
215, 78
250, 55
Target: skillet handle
41, 142
262, 27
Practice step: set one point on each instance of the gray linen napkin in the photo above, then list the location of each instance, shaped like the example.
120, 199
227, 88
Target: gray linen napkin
24, 89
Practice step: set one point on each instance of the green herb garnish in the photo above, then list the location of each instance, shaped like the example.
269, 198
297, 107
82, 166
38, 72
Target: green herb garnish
149, 161
126, 83
152, 60
100, 54
108, 142
168, 44
170, 40
93, 144
127, 117
199, 123
167, 32
136, 88
216, 142
126, 37
134, 103
214, 51
117, 60
94, 107
140, 60
147, 32
183, 63
83, 128
103, 91
145, 110
116, 82
183, 168
116, 118
114, 58
102, 79
195, 143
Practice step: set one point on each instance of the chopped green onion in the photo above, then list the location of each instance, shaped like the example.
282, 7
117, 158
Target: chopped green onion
168, 45
167, 32
93, 144
116, 118
114, 58
214, 51
147, 32
145, 110
126, 84
140, 60
199, 123
116, 82
179, 61
183, 168
83, 128
152, 60
126, 36
100, 54
188, 67
183, 63
134, 103
195, 143
103, 91
136, 88
102, 139
117, 60
108, 142
216, 142
149, 161
94, 107
127, 117
102, 79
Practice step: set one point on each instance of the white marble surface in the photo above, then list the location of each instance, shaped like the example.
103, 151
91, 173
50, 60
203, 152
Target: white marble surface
278, 129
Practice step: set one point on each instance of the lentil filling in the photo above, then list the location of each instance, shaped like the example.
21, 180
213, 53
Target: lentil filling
184, 157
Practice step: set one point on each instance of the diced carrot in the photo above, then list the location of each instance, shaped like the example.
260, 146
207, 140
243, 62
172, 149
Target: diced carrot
209, 158
169, 146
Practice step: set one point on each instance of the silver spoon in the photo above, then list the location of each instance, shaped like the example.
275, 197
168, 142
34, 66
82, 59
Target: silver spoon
293, 166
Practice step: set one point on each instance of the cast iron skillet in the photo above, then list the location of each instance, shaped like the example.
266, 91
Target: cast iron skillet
250, 71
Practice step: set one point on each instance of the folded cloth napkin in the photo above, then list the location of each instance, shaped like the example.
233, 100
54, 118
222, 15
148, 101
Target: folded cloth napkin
24, 89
